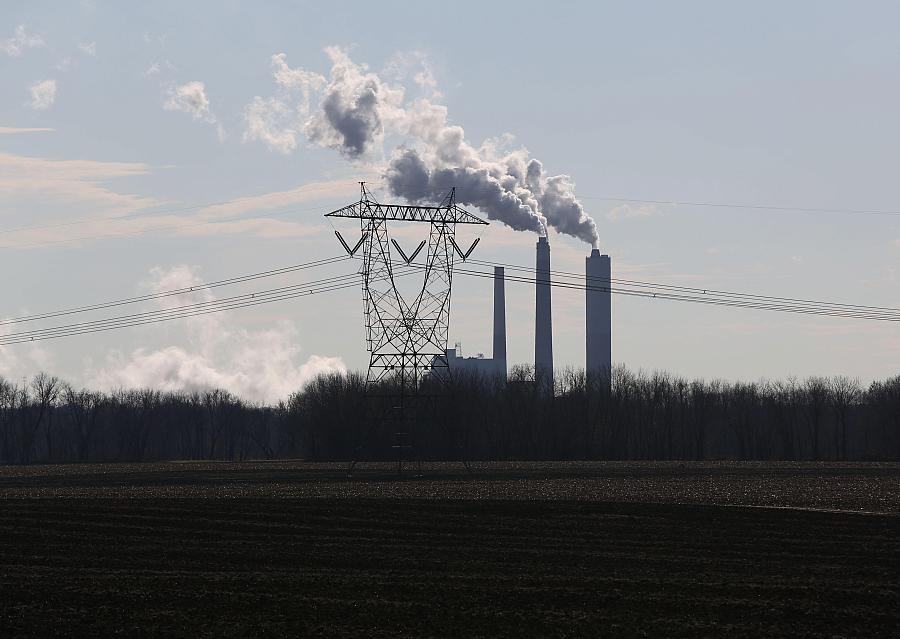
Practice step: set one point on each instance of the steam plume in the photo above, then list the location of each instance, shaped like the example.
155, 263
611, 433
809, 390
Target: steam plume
357, 110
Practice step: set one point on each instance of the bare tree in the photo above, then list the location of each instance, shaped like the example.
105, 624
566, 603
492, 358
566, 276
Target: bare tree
814, 401
45, 389
83, 408
8, 402
844, 395
884, 409
785, 397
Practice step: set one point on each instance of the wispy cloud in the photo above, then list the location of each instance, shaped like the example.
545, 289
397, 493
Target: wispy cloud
34, 172
88, 48
68, 182
81, 189
627, 210
21, 40
43, 95
279, 199
191, 98
12, 130
265, 227
157, 67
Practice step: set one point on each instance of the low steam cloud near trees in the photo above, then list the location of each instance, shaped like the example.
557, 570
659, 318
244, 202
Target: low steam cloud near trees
638, 416
261, 365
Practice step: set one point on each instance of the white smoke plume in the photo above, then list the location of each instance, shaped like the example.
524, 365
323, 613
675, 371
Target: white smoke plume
263, 366
355, 110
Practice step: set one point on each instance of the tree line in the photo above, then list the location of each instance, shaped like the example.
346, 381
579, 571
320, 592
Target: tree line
626, 415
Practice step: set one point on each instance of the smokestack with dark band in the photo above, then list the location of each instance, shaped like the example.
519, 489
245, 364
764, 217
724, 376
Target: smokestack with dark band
543, 325
598, 316
499, 353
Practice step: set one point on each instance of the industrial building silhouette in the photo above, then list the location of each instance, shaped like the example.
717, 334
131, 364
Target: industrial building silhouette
598, 321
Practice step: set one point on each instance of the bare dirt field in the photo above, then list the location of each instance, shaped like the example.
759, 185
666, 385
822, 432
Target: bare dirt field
510, 549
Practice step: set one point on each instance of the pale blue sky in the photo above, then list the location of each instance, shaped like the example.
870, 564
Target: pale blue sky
791, 104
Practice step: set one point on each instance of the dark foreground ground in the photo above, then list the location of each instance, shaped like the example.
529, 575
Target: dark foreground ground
291, 549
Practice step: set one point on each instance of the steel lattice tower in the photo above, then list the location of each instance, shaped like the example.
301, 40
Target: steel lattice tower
406, 338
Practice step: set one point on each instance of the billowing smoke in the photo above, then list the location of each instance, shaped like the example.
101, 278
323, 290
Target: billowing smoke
357, 110
408, 176
354, 108
509, 185
559, 201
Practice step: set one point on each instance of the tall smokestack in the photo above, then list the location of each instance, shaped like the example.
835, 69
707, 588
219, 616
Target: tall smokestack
499, 353
598, 315
543, 326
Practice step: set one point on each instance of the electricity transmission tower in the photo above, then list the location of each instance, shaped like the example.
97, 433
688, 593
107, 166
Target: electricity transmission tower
406, 338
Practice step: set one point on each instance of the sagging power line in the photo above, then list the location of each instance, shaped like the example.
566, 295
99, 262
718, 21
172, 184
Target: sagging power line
694, 289
238, 279
568, 280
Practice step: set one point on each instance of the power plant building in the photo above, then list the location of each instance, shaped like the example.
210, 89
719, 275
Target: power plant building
489, 366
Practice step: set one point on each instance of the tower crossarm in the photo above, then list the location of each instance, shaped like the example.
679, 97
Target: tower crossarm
370, 210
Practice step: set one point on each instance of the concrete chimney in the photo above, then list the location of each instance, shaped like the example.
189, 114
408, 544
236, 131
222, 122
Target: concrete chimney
543, 325
499, 353
598, 315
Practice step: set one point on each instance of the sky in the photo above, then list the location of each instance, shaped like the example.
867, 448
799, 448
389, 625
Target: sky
223, 131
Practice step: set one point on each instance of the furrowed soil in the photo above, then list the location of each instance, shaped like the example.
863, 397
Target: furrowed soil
278, 549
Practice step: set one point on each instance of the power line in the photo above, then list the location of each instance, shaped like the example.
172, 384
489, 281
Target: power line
128, 324
155, 313
693, 289
773, 304
657, 290
178, 291
709, 300
255, 298
247, 300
